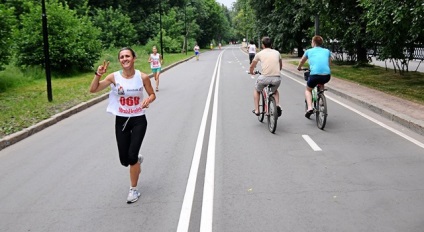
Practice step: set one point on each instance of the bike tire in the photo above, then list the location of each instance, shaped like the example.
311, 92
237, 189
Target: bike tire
261, 107
272, 115
321, 114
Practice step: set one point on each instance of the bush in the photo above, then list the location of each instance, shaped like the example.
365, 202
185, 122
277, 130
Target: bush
170, 45
117, 30
73, 40
7, 21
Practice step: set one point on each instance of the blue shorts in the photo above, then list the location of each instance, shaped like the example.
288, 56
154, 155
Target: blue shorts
155, 70
314, 80
196, 53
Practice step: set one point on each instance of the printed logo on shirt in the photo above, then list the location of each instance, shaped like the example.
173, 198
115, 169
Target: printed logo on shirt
121, 90
133, 90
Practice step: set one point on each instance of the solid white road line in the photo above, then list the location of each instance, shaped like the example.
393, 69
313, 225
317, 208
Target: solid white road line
185, 214
410, 139
209, 184
311, 143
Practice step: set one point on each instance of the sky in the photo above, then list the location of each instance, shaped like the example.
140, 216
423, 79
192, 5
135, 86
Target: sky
227, 3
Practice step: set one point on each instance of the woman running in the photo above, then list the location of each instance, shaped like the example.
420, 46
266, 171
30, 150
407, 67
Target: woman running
127, 103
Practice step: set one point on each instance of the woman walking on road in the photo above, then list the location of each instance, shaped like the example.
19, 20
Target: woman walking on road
127, 103
251, 48
155, 60
196, 51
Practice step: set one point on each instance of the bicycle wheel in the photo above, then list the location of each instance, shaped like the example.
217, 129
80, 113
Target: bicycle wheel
261, 107
321, 114
272, 115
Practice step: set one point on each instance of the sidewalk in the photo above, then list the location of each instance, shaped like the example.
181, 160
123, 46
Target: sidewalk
404, 112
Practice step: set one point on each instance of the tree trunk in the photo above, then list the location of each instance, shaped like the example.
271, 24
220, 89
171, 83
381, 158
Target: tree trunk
299, 47
361, 51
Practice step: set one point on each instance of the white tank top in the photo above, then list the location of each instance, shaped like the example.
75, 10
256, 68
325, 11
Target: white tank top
252, 48
155, 60
126, 96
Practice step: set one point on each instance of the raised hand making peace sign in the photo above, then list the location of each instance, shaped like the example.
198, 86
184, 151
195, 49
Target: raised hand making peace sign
102, 68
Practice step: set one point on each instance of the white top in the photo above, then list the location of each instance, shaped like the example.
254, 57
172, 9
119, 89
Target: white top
155, 60
126, 96
252, 48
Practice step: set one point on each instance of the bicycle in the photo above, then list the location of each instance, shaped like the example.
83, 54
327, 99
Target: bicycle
268, 107
319, 102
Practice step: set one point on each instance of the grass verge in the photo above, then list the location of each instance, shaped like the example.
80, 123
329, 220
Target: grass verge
23, 94
409, 86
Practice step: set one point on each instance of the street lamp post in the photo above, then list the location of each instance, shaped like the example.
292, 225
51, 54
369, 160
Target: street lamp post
160, 25
185, 28
46, 52
316, 24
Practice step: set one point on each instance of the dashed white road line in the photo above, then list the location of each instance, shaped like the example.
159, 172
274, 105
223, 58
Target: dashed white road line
410, 139
311, 143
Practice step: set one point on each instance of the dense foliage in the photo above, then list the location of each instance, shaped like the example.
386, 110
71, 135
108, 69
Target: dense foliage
72, 39
6, 30
116, 28
78, 29
351, 27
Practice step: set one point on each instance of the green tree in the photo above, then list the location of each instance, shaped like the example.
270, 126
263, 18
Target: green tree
344, 21
117, 30
397, 26
7, 22
244, 20
74, 43
288, 23
212, 21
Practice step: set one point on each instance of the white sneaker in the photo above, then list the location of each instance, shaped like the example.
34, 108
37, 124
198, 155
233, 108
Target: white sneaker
133, 196
140, 158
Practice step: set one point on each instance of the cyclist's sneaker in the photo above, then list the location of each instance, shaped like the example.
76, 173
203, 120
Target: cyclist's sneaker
140, 158
279, 111
309, 113
133, 196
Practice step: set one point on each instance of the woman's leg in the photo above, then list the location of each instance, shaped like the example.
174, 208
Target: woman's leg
137, 136
157, 74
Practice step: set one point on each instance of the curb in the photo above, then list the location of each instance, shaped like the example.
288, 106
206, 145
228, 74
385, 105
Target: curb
25, 133
402, 119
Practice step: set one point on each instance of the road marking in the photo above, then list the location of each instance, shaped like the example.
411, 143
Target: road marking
185, 214
311, 143
410, 139
209, 184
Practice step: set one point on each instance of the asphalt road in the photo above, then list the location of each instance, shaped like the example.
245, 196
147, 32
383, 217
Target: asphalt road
211, 166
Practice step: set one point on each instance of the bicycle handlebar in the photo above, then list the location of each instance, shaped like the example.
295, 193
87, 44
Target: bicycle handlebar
255, 72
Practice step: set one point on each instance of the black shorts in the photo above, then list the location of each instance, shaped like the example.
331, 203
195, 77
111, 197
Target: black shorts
251, 56
314, 80
129, 134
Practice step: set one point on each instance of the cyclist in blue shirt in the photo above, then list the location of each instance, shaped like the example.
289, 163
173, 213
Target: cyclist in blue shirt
319, 64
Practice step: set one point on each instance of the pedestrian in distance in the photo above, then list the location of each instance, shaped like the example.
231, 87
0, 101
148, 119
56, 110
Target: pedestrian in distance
319, 60
251, 48
155, 60
196, 51
128, 104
